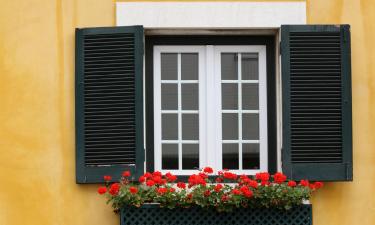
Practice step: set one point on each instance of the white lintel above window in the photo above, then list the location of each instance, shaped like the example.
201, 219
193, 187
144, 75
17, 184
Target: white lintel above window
210, 14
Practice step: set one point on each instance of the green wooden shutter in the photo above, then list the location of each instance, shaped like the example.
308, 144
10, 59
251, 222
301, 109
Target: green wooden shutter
317, 117
109, 102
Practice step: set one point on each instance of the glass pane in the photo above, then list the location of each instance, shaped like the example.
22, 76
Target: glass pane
229, 66
189, 66
168, 66
190, 127
190, 156
169, 126
250, 126
250, 97
230, 156
229, 96
169, 96
250, 156
249, 66
169, 156
189, 98
230, 126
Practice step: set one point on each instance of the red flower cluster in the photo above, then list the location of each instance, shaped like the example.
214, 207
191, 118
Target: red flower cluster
114, 189
107, 178
133, 190
279, 178
229, 175
201, 190
126, 174
102, 190
196, 180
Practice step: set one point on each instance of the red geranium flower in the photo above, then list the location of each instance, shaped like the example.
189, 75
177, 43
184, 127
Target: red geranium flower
170, 177
207, 193
230, 176
219, 180
157, 179
224, 198
133, 190
252, 183
248, 194
162, 191
172, 190
292, 183
114, 189
150, 183
244, 189
126, 174
318, 185
189, 196
262, 176
203, 175
102, 190
181, 185
208, 170
304, 183
195, 180
107, 178
279, 178
218, 187
142, 179
236, 192
147, 175
157, 173
264, 183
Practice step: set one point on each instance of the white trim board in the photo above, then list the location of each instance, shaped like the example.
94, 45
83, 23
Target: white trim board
210, 14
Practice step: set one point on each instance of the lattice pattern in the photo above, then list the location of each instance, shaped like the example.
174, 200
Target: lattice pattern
197, 216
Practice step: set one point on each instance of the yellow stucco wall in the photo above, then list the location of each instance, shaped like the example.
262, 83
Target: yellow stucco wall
37, 178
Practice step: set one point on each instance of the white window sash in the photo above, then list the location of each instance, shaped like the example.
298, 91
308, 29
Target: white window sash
210, 113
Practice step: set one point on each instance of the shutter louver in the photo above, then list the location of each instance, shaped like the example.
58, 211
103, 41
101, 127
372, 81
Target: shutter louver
317, 141
109, 102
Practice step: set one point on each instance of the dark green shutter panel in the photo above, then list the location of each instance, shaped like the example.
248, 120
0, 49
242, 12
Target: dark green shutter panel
109, 102
317, 118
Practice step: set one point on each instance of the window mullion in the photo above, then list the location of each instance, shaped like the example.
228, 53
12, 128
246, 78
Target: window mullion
239, 111
179, 111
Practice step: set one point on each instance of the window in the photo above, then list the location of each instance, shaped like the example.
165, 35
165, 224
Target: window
210, 108
212, 101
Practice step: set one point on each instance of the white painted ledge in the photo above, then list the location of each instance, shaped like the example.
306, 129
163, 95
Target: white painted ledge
210, 14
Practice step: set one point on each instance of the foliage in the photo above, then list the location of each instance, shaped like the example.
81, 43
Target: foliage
226, 192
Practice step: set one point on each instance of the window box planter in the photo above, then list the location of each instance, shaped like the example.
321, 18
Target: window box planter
153, 214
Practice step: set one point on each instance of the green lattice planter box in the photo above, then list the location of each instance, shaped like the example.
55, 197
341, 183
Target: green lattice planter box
154, 215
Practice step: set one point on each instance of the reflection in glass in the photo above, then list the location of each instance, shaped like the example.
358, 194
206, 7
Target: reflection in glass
250, 156
169, 124
169, 96
230, 126
190, 156
169, 159
169, 66
189, 66
229, 96
189, 96
250, 126
229, 66
230, 156
249, 66
190, 126
250, 97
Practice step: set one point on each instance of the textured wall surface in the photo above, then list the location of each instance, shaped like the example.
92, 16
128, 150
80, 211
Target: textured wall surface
37, 174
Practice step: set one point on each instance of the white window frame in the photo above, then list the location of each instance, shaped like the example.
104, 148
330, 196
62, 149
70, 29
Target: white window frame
210, 113
157, 105
262, 82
